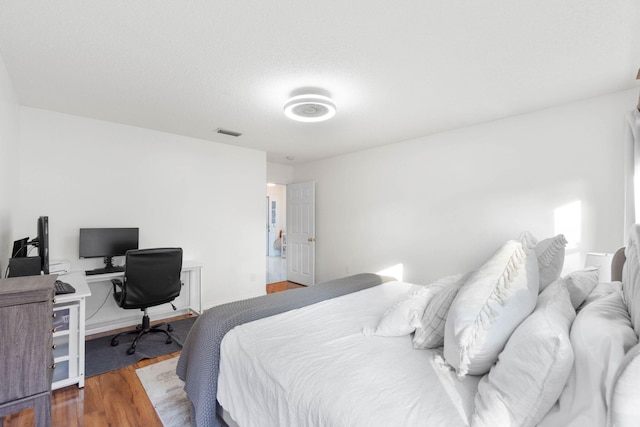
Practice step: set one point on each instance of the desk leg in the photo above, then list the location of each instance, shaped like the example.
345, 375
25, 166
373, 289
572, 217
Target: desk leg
81, 341
195, 289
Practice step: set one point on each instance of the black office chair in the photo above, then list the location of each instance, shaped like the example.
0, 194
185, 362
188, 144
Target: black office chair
151, 277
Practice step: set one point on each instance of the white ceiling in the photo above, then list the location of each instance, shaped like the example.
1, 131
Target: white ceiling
396, 69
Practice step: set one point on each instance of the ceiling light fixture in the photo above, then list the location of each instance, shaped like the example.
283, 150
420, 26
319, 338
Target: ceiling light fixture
310, 107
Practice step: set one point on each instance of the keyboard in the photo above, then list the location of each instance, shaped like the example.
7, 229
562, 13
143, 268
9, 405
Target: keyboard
64, 288
115, 269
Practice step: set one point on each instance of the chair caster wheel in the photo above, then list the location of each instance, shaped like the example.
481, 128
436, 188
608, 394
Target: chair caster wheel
169, 328
114, 342
131, 351
168, 341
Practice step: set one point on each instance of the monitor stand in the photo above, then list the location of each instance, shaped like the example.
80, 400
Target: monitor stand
108, 268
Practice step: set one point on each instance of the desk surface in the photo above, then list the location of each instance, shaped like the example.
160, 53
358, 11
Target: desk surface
78, 281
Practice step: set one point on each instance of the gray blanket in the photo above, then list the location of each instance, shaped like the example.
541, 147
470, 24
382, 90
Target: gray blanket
200, 358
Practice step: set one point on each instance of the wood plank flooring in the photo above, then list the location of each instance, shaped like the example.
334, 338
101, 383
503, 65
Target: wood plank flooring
112, 399
282, 286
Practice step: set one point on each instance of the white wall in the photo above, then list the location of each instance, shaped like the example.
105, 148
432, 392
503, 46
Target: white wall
8, 165
205, 197
441, 204
279, 174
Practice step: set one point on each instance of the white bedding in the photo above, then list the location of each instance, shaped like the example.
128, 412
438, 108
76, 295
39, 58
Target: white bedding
314, 367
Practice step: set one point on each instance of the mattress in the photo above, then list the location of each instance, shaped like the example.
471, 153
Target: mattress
313, 366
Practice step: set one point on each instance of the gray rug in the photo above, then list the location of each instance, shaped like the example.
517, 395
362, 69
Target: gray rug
165, 392
101, 357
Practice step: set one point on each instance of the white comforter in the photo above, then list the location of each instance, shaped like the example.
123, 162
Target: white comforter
314, 367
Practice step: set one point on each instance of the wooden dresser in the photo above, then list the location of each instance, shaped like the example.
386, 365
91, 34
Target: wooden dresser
26, 360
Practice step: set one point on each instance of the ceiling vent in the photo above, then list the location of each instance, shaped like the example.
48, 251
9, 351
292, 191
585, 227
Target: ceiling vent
310, 107
227, 132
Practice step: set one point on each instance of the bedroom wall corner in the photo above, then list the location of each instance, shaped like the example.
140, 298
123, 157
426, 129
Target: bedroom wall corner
279, 174
9, 139
441, 204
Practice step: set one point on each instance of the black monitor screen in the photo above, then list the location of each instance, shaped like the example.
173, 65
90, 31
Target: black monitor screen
107, 242
20, 248
43, 243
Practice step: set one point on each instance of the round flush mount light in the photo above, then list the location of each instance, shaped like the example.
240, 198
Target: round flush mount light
310, 108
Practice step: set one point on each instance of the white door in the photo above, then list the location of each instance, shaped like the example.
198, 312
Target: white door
301, 228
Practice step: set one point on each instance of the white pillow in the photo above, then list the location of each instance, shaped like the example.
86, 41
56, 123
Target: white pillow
550, 254
624, 410
533, 367
580, 284
489, 307
600, 335
631, 277
601, 290
403, 317
430, 333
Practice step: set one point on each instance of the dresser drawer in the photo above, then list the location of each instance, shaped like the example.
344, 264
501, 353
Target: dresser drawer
25, 350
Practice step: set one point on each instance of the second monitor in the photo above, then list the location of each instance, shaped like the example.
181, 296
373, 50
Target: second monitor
107, 243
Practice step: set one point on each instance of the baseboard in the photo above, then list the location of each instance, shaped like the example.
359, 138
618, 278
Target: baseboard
124, 323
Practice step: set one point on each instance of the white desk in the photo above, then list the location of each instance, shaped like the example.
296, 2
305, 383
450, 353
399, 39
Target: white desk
69, 333
103, 314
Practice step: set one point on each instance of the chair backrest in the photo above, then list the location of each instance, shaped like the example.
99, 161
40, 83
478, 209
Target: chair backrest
151, 277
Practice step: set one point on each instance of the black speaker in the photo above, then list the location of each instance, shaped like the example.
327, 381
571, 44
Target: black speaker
27, 266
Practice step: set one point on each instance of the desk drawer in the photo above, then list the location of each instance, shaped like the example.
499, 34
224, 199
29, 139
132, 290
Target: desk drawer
61, 319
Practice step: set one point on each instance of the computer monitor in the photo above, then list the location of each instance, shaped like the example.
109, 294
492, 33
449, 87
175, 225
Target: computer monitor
20, 248
107, 243
43, 243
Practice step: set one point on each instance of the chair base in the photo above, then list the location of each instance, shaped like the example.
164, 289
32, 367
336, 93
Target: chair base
142, 330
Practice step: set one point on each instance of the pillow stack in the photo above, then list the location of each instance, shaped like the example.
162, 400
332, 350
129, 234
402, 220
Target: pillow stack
497, 298
473, 316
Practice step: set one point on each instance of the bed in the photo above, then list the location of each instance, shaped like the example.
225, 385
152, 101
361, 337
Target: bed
511, 343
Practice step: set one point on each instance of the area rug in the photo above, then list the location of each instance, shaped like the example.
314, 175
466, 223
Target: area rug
165, 392
101, 357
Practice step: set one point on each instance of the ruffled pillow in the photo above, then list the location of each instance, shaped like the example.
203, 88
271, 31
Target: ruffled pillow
550, 254
489, 307
533, 367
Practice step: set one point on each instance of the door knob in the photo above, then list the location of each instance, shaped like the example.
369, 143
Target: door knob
311, 239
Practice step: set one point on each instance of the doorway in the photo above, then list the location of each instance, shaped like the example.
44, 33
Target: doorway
276, 235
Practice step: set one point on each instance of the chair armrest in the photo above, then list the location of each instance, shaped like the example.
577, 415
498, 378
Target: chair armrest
117, 283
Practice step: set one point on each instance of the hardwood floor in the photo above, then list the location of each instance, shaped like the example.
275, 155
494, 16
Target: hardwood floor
282, 286
112, 399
